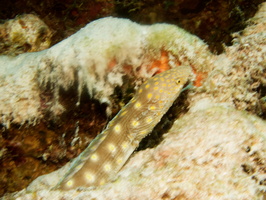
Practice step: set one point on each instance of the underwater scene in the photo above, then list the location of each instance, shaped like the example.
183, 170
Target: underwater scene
149, 100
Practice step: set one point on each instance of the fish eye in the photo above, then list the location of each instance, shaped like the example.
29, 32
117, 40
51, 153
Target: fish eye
178, 81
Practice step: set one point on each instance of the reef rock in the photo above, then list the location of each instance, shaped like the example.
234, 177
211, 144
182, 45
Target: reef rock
97, 58
212, 152
25, 33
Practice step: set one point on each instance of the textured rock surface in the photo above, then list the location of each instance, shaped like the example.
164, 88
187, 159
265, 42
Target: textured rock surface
238, 75
97, 57
25, 33
103, 61
212, 152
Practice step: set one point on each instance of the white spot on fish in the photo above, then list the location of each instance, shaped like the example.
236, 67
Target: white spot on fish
107, 167
117, 128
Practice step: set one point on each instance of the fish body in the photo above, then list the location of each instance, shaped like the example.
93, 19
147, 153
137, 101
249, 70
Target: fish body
109, 151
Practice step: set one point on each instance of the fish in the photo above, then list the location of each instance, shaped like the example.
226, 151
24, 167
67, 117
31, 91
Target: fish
104, 157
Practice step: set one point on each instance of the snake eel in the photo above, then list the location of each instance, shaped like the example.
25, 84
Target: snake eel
109, 151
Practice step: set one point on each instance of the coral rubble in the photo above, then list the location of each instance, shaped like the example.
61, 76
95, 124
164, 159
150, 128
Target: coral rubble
25, 33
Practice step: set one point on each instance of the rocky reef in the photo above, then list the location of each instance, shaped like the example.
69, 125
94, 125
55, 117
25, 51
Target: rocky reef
214, 150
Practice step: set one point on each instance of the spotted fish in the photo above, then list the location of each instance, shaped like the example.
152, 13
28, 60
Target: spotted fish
109, 151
